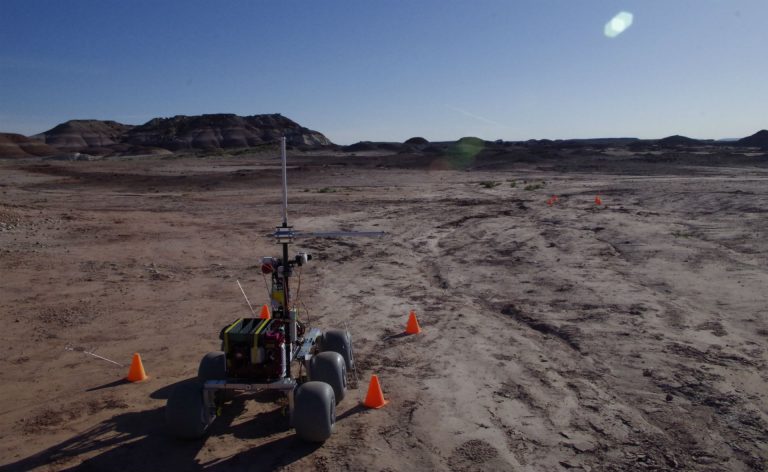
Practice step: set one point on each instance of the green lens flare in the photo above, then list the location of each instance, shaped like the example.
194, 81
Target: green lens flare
462, 154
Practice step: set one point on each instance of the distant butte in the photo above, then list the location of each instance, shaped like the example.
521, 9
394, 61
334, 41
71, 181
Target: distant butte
16, 145
222, 133
677, 140
161, 135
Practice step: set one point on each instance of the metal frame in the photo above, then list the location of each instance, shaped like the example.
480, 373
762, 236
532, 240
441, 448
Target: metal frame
287, 385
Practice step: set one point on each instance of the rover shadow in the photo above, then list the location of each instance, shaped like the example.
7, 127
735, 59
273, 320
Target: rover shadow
128, 441
139, 441
271, 455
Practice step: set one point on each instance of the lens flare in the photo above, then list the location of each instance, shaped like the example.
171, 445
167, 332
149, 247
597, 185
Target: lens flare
460, 155
618, 24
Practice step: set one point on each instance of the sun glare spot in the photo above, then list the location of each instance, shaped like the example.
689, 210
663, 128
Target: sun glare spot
618, 24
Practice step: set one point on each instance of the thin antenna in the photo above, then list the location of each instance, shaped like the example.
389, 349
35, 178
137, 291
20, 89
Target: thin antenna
285, 182
93, 354
246, 299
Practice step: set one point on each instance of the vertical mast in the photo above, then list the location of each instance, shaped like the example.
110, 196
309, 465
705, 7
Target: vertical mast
286, 264
289, 232
285, 182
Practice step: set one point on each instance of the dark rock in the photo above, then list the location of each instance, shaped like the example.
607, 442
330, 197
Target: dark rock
759, 139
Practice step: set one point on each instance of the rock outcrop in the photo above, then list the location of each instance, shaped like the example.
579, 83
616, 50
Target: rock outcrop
221, 131
16, 145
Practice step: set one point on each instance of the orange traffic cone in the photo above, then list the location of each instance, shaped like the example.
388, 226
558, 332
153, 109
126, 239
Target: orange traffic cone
413, 324
375, 397
598, 200
136, 372
264, 315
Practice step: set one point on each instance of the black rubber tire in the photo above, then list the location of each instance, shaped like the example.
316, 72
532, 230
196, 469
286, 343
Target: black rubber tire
329, 367
185, 411
338, 340
314, 412
213, 366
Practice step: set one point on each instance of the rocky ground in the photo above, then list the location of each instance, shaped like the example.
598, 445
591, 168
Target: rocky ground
626, 336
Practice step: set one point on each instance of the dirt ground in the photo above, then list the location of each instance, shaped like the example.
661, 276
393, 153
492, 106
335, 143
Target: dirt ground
626, 336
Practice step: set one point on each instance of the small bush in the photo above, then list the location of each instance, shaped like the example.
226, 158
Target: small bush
327, 190
534, 186
681, 234
489, 184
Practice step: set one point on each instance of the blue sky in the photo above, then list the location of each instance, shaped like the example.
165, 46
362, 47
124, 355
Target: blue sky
389, 70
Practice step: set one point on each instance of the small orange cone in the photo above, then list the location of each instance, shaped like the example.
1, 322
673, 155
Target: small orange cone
413, 324
264, 315
375, 397
598, 200
136, 372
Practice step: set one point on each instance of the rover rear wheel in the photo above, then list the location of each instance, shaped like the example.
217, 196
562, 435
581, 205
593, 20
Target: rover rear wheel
339, 340
329, 367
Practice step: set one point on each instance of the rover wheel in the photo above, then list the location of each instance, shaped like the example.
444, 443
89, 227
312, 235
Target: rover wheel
338, 340
329, 367
213, 366
186, 413
314, 412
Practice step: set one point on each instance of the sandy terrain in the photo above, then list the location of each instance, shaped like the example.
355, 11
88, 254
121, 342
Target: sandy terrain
630, 336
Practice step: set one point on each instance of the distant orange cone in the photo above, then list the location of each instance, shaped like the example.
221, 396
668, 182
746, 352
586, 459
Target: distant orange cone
136, 372
598, 200
413, 324
264, 315
375, 397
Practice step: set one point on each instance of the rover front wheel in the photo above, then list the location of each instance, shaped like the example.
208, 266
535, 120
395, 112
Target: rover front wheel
314, 412
213, 366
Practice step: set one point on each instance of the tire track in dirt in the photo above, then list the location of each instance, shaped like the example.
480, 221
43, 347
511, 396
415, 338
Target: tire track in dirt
626, 415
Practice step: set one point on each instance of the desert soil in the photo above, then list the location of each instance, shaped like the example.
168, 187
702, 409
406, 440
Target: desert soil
626, 336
